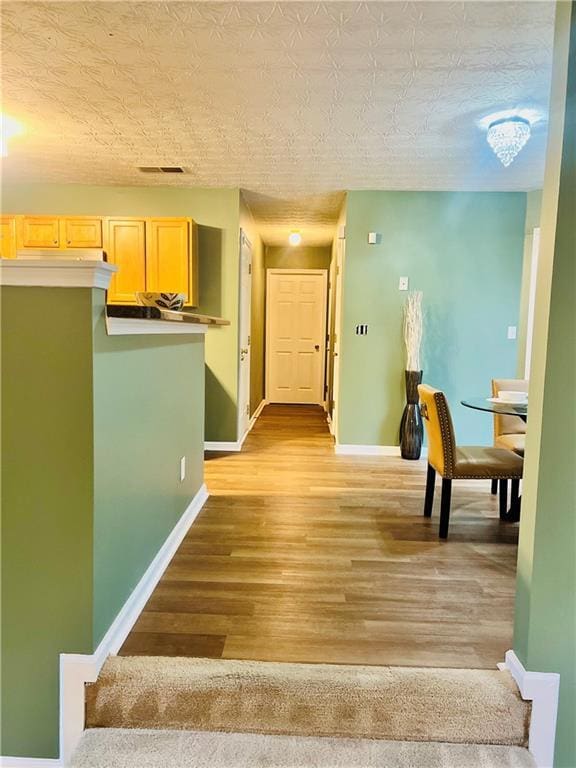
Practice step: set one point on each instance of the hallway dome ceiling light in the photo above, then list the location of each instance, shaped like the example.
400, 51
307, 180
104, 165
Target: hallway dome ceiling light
294, 238
507, 137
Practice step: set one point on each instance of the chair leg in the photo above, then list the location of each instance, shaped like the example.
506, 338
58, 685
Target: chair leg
494, 487
445, 507
503, 499
515, 501
429, 498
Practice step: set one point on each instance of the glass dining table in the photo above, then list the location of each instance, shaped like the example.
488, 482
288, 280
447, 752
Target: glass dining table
504, 409
492, 406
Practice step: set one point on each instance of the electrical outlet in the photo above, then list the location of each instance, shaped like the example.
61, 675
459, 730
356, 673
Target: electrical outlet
403, 284
511, 331
182, 468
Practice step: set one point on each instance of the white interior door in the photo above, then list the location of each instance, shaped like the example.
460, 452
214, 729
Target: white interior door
295, 335
244, 336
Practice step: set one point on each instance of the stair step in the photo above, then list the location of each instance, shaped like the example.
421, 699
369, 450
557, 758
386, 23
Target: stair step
118, 748
330, 700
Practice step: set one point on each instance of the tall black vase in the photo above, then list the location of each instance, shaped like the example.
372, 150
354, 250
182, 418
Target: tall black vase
411, 430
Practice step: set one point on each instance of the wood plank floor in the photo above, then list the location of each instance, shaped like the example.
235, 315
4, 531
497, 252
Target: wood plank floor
301, 555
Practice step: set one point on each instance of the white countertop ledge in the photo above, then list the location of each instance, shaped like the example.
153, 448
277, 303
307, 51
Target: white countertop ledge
56, 273
133, 326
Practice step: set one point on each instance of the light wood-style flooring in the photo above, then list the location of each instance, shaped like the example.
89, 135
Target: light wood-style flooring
301, 555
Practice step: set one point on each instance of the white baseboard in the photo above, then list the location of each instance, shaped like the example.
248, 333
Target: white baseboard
78, 669
234, 446
257, 412
371, 450
541, 688
366, 450
29, 762
330, 424
225, 447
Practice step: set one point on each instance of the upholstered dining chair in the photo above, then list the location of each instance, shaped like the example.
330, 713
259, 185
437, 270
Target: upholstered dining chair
453, 462
509, 432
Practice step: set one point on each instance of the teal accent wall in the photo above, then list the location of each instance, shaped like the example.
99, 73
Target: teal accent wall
93, 429
545, 617
147, 415
464, 251
217, 212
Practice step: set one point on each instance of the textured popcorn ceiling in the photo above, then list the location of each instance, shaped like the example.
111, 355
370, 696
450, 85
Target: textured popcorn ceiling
292, 101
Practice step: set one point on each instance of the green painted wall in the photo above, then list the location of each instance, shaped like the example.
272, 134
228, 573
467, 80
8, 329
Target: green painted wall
298, 257
93, 429
148, 408
545, 618
216, 212
464, 250
47, 501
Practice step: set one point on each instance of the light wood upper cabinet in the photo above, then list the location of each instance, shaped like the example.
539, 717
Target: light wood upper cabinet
126, 248
40, 232
152, 254
79, 232
167, 256
8, 237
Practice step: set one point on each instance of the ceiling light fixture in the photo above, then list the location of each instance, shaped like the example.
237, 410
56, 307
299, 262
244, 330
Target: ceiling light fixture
294, 238
8, 128
507, 137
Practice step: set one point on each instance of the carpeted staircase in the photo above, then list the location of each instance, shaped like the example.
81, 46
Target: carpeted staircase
176, 712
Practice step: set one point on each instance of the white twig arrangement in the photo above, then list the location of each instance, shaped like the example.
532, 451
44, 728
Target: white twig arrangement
413, 329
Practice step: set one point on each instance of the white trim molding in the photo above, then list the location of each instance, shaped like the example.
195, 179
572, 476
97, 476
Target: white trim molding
541, 688
234, 446
342, 449
56, 273
30, 762
224, 447
256, 414
133, 326
78, 669
366, 450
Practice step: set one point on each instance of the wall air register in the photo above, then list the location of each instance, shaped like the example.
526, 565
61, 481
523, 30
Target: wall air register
161, 169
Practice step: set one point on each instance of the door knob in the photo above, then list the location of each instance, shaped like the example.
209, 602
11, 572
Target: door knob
317, 347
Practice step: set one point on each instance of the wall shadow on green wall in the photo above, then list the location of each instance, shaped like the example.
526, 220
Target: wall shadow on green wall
220, 409
210, 269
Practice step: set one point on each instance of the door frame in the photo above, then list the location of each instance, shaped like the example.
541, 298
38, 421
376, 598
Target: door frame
337, 340
244, 240
324, 274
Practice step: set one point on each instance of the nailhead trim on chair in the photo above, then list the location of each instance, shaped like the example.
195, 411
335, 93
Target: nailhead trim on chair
449, 457
446, 433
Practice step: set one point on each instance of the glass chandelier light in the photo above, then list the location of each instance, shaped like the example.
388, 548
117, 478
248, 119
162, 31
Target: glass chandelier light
507, 137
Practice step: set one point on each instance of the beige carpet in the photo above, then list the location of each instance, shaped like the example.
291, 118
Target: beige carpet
394, 703
112, 748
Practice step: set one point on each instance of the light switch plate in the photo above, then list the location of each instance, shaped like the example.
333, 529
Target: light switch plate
372, 238
403, 284
511, 331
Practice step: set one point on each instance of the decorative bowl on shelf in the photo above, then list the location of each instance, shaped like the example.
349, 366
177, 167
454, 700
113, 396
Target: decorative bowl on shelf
173, 301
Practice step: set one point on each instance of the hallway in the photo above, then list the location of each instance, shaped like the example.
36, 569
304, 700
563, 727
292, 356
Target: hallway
302, 555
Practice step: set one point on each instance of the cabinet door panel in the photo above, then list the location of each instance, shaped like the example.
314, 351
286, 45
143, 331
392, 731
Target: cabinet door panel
40, 232
127, 250
168, 256
7, 237
82, 233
